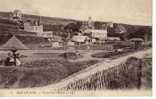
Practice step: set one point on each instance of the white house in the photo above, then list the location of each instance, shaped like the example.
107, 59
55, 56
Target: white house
70, 43
46, 34
100, 34
79, 38
33, 28
113, 38
37, 29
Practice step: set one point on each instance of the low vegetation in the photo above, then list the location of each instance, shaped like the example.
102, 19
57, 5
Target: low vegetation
39, 73
111, 54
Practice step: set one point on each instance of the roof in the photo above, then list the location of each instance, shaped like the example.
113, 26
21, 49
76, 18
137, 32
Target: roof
13, 44
136, 39
95, 31
57, 38
79, 38
120, 29
113, 38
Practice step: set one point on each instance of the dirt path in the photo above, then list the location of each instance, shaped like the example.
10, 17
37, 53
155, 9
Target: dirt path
87, 55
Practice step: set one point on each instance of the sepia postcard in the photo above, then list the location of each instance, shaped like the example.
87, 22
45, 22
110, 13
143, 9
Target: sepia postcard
75, 48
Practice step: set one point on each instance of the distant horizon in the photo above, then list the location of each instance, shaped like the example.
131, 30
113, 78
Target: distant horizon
76, 19
123, 11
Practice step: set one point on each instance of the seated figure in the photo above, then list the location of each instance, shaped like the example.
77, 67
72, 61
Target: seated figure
9, 61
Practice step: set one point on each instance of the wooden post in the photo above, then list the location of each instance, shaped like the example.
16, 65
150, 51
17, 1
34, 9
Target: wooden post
139, 74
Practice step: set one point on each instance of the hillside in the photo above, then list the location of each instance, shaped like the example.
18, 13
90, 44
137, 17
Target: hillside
58, 24
44, 20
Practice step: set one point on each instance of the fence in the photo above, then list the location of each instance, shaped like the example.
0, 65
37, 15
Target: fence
120, 76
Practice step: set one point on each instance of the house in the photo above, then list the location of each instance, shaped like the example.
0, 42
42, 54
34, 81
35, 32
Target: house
56, 44
137, 42
113, 39
70, 43
29, 27
56, 41
46, 34
98, 34
79, 38
37, 28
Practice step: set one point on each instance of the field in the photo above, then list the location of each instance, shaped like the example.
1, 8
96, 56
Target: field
40, 69
45, 67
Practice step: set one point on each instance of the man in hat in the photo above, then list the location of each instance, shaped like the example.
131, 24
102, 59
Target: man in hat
9, 60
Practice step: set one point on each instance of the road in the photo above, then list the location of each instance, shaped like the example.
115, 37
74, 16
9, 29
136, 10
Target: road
96, 68
33, 55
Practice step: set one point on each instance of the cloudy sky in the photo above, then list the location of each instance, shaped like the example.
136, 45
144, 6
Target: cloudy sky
123, 11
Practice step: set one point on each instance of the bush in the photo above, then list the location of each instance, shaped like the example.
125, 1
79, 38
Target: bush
71, 55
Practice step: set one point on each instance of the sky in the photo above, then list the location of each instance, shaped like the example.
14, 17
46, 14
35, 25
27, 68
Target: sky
137, 12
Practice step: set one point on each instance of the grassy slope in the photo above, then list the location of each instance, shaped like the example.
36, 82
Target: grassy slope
44, 20
39, 73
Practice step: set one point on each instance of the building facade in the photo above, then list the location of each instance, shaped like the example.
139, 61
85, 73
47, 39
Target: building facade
32, 28
98, 34
37, 28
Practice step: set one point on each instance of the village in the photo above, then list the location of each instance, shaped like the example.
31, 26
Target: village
50, 56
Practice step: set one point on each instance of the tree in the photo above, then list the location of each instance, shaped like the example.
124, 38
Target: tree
72, 28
